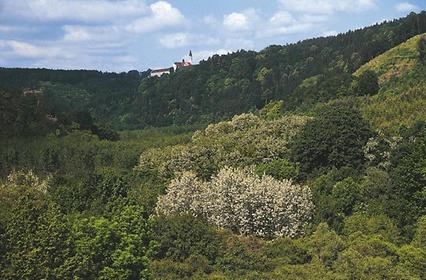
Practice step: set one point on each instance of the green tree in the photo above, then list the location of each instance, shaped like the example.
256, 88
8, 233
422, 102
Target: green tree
112, 248
334, 138
325, 245
279, 169
374, 225
406, 193
367, 83
367, 257
179, 237
420, 237
35, 234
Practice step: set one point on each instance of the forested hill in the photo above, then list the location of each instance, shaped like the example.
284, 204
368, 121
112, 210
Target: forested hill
27, 96
300, 74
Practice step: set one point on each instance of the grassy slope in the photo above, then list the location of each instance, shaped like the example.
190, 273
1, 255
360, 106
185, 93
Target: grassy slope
402, 97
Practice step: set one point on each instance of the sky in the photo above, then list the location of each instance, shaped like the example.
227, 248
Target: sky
122, 35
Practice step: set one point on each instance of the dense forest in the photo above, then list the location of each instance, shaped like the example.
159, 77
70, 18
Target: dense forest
303, 161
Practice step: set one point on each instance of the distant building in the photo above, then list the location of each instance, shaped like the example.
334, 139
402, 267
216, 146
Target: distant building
176, 67
182, 65
160, 72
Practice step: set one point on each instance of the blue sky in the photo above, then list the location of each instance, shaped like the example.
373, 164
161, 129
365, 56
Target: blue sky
121, 35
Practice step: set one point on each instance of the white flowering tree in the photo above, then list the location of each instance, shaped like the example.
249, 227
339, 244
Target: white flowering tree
184, 195
242, 201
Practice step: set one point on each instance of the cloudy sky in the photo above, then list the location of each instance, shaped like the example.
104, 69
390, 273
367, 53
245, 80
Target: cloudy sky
120, 35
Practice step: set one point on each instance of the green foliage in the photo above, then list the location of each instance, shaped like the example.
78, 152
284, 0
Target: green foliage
245, 140
366, 258
35, 232
272, 110
329, 206
287, 251
412, 263
314, 271
116, 248
180, 237
301, 74
407, 190
279, 169
400, 101
325, 245
420, 237
367, 83
334, 138
110, 98
374, 225
346, 194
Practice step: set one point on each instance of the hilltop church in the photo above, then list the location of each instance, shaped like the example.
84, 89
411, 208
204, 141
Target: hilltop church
176, 67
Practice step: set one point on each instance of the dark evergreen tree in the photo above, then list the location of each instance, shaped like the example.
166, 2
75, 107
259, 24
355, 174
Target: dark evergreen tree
367, 83
334, 138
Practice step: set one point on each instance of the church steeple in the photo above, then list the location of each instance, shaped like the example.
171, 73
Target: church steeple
190, 56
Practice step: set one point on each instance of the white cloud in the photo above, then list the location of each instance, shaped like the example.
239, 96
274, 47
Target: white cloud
241, 21
283, 22
76, 10
406, 7
69, 55
180, 39
175, 40
162, 14
211, 20
14, 28
297, 27
82, 33
327, 6
236, 22
26, 50
309, 18
282, 17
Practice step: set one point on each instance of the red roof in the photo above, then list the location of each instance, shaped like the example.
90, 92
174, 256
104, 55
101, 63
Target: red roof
183, 64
